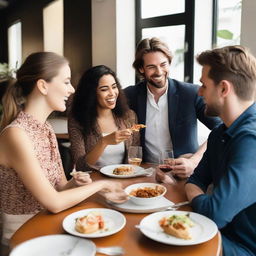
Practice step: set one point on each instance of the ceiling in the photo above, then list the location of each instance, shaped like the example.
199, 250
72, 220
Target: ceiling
6, 3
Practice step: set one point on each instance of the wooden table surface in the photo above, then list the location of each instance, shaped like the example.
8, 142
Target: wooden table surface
130, 238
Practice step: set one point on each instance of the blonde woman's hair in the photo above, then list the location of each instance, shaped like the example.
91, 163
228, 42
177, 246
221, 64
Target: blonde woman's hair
39, 65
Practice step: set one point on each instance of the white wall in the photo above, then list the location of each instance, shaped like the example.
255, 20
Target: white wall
203, 32
125, 38
248, 34
104, 33
113, 37
53, 27
203, 41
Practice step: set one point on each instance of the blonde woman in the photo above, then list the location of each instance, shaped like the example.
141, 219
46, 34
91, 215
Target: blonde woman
31, 172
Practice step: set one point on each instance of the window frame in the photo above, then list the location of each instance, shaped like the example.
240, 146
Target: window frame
186, 18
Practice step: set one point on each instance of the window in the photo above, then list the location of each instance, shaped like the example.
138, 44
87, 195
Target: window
149, 8
228, 22
173, 22
14, 45
177, 46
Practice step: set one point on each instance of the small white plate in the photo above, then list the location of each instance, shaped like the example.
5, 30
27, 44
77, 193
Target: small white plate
55, 245
129, 206
108, 170
204, 228
114, 221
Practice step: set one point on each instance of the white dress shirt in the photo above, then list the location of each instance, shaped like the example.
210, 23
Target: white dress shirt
157, 137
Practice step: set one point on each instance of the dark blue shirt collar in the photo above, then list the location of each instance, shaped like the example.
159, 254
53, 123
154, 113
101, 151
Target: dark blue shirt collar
231, 131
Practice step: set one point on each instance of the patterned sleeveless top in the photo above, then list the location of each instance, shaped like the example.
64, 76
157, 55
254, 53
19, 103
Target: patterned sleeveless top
15, 198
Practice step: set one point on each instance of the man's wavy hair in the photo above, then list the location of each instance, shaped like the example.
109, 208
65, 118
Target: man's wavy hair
148, 45
84, 104
232, 63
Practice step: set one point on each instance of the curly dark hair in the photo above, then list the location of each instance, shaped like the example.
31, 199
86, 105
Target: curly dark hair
84, 105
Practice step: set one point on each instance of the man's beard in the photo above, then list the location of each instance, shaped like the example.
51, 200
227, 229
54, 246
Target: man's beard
212, 110
157, 85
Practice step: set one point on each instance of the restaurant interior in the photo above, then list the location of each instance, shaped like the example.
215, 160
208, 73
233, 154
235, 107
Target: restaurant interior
94, 32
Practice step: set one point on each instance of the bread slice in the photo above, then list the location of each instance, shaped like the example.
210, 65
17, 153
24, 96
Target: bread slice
89, 223
177, 225
123, 170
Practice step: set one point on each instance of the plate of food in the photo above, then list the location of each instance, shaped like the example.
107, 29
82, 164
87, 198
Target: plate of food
94, 222
145, 193
55, 245
178, 227
144, 198
123, 170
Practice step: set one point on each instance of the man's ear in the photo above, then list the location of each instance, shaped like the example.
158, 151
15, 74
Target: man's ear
42, 86
226, 88
141, 70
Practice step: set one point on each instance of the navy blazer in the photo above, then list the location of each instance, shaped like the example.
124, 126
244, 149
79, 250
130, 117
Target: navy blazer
185, 107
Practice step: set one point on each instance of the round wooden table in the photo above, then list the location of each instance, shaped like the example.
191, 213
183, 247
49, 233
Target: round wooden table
130, 238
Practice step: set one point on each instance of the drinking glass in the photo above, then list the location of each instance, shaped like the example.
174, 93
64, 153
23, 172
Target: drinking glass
167, 161
135, 155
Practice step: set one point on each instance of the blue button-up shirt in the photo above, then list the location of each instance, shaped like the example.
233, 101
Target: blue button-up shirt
229, 163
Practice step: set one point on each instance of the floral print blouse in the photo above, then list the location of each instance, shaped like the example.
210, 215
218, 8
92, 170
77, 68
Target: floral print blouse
14, 197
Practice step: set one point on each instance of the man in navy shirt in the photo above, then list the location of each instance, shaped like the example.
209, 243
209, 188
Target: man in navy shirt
229, 163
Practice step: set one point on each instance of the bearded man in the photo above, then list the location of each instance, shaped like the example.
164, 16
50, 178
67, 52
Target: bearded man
169, 109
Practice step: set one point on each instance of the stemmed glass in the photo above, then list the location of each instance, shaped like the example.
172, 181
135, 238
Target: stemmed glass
167, 161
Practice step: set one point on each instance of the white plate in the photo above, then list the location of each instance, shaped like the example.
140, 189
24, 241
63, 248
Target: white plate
204, 228
114, 221
108, 170
129, 206
55, 245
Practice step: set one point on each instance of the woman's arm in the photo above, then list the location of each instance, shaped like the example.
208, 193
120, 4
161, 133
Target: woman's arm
80, 146
21, 157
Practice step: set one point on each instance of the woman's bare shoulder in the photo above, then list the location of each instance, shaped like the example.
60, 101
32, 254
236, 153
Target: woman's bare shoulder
13, 136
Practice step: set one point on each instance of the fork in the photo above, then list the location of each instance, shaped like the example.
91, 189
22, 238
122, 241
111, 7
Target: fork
112, 250
176, 206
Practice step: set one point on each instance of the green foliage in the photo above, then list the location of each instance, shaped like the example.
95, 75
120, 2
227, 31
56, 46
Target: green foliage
6, 72
225, 34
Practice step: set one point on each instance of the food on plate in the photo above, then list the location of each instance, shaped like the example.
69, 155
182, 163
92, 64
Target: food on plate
90, 223
147, 192
177, 225
123, 170
137, 127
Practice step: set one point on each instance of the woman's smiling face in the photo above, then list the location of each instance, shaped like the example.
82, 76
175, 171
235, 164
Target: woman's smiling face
107, 92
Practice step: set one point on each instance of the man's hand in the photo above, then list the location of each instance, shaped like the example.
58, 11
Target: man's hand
161, 177
185, 164
184, 167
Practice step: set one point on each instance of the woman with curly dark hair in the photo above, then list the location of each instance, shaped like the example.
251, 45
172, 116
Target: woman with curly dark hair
99, 121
